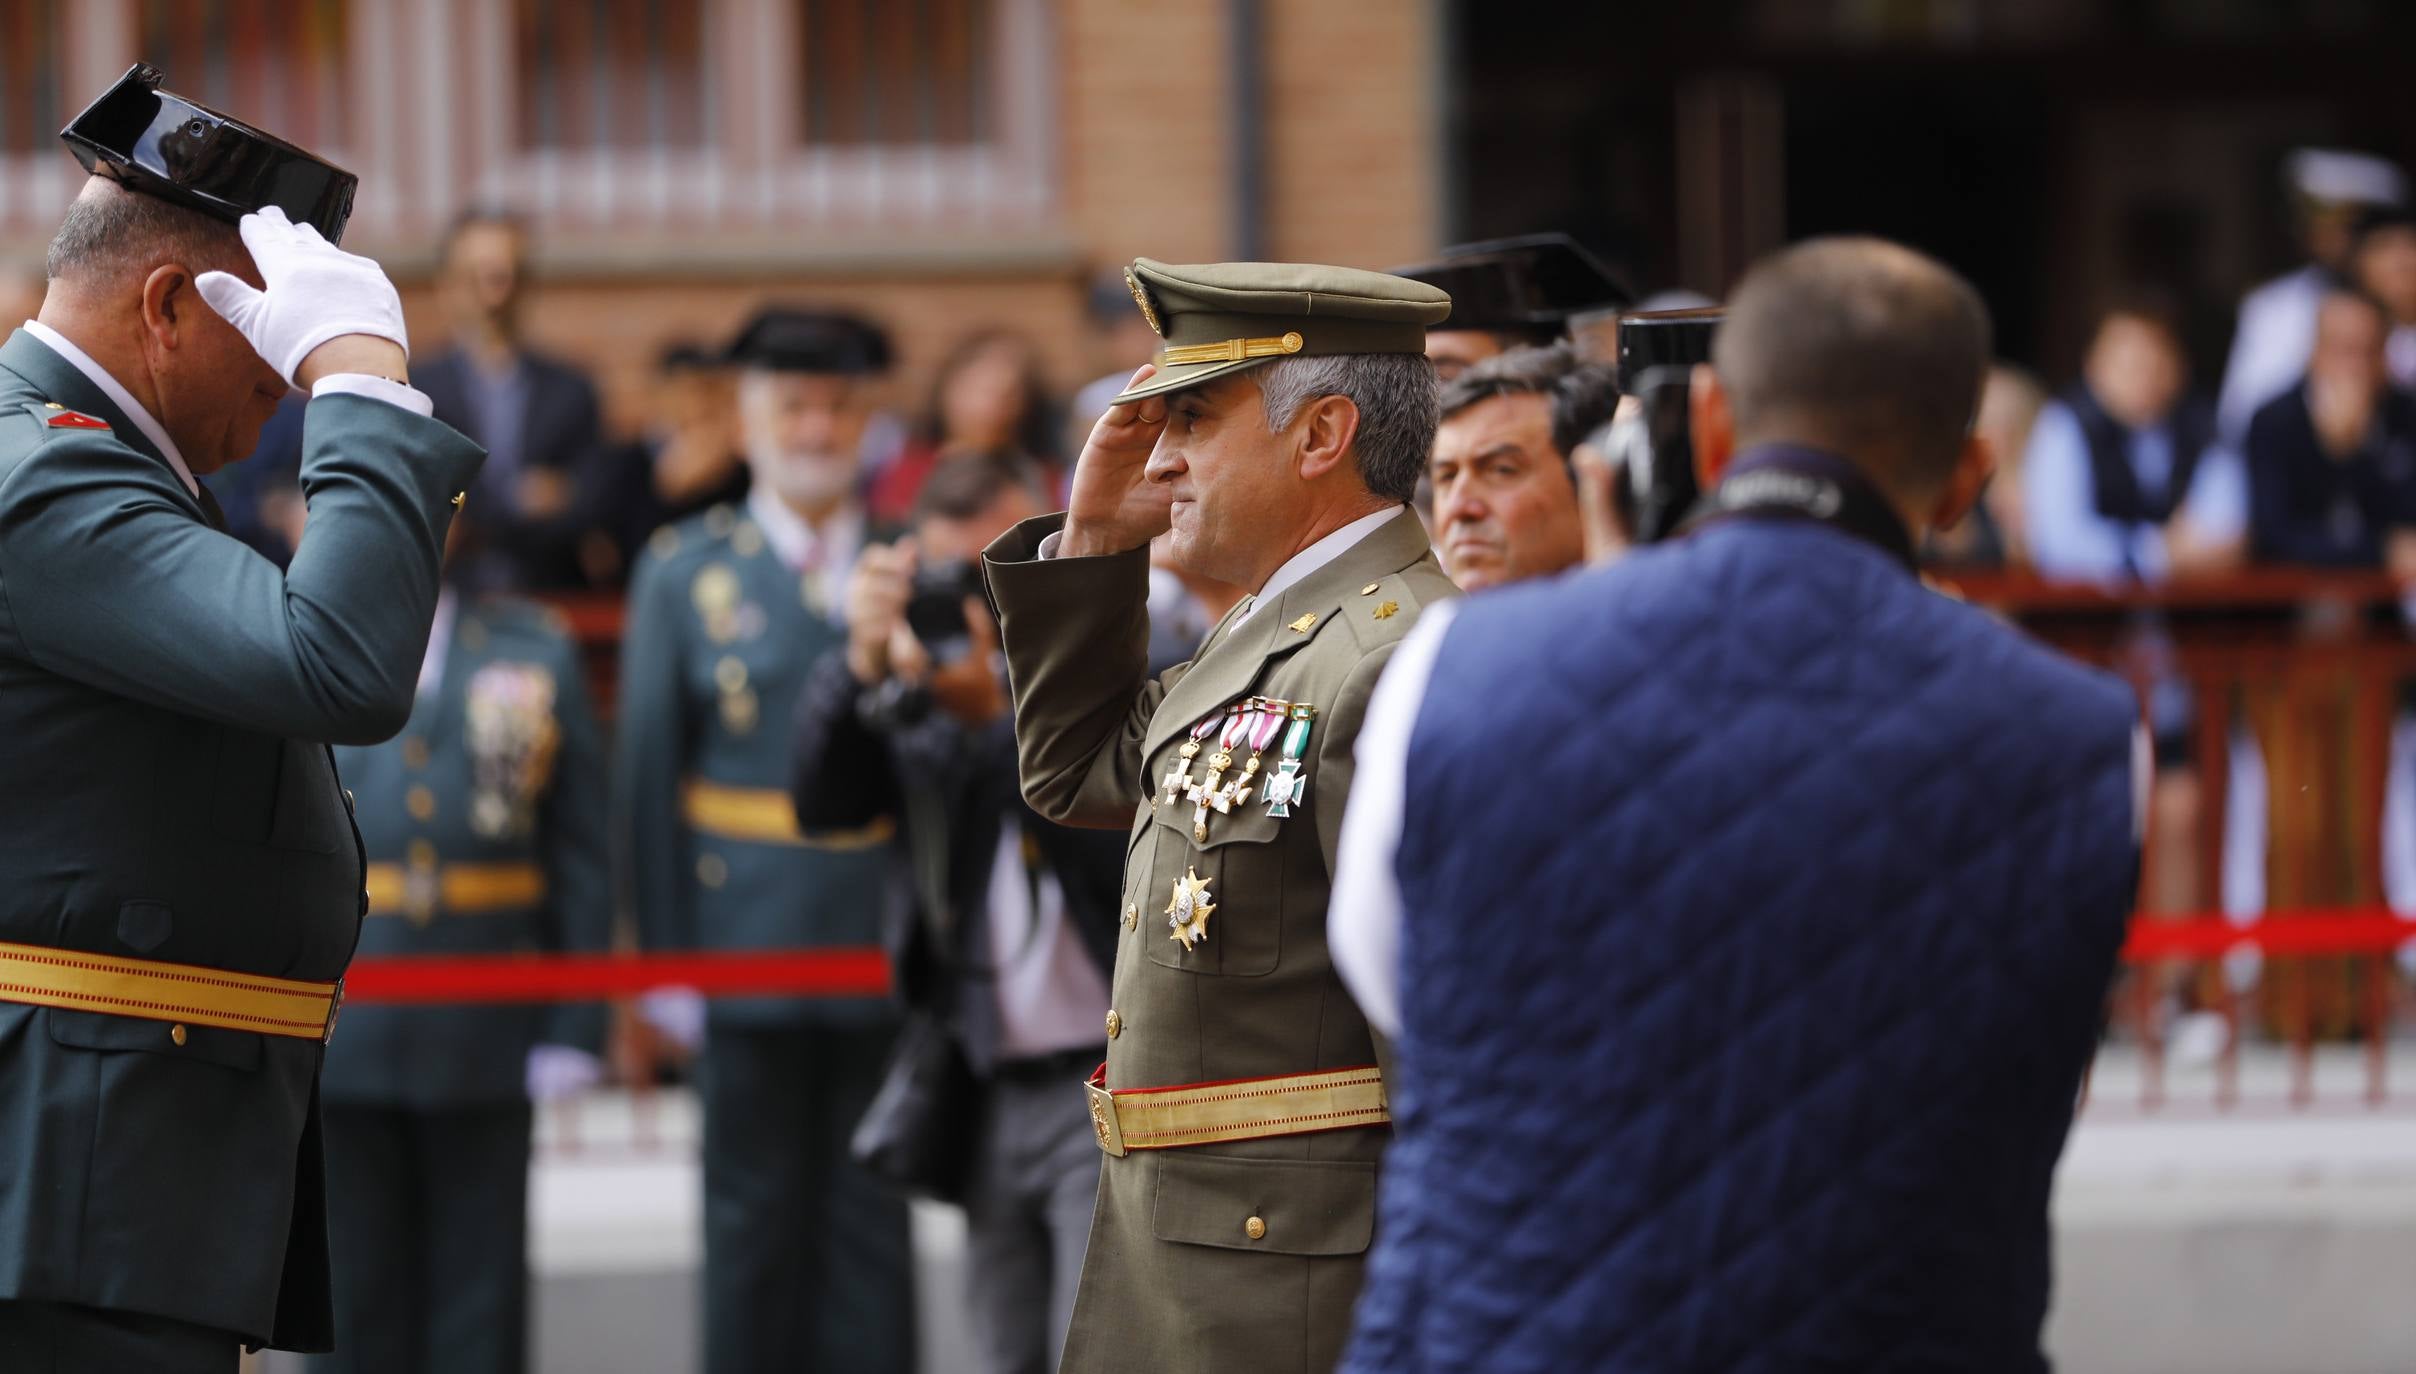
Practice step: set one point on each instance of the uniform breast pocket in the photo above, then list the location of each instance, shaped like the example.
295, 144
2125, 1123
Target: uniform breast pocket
1228, 890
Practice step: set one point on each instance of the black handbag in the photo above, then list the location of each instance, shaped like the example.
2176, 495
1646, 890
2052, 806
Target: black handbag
918, 1134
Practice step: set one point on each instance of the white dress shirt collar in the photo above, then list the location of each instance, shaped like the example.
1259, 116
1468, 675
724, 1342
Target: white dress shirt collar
1316, 556
118, 396
830, 550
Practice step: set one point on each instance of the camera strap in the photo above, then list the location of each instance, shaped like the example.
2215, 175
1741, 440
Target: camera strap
1805, 484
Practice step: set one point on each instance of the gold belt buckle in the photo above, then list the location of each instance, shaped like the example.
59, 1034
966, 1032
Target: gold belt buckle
1103, 1120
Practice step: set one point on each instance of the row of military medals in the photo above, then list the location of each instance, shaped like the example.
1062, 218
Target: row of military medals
1252, 724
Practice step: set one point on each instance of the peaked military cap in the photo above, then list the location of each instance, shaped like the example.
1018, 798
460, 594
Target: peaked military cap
832, 343
1222, 317
1531, 284
163, 145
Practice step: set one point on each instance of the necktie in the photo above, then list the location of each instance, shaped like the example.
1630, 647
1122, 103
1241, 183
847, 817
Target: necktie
210, 510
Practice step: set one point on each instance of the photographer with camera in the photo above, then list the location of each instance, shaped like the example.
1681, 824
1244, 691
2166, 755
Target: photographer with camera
1004, 965
1806, 882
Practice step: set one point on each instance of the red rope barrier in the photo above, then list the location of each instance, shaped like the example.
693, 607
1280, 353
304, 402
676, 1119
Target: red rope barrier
865, 972
589, 977
2371, 930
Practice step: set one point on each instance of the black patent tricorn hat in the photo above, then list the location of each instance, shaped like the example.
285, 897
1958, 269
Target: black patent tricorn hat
164, 145
1530, 284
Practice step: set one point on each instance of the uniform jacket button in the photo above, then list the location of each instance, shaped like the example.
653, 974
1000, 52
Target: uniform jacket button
1255, 1229
1115, 1024
177, 1034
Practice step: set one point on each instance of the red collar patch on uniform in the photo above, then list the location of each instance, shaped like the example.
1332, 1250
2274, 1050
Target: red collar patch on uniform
69, 419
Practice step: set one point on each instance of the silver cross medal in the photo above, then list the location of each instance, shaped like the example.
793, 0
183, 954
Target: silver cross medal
1205, 794
1286, 789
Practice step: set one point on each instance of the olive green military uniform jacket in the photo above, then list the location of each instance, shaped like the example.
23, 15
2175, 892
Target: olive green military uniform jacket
167, 697
720, 638
1178, 1276
484, 826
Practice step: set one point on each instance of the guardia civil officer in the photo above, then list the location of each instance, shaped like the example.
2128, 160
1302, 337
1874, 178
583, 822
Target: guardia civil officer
1746, 909
807, 1264
484, 826
1529, 291
180, 880
1242, 1107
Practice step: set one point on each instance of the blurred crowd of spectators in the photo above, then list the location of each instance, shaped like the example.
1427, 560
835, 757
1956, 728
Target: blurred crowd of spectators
2133, 472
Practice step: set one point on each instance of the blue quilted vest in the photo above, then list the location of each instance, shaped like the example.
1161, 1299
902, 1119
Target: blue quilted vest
1760, 910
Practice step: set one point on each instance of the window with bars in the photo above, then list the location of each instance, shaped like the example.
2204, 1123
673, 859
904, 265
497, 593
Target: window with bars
278, 64
32, 106
889, 73
613, 75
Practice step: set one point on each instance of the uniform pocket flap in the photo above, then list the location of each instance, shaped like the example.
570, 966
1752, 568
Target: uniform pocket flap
1281, 1206
93, 1030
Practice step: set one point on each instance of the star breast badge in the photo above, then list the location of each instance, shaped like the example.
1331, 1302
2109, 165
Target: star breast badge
1189, 909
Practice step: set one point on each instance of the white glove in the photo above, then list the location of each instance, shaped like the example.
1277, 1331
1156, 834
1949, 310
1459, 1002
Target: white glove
678, 1013
558, 1071
316, 292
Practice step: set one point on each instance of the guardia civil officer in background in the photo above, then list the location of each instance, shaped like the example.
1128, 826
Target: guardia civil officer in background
1523, 292
1279, 436
1819, 879
807, 1263
180, 880
484, 827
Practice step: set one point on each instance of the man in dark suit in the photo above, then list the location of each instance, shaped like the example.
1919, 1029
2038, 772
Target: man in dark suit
537, 509
180, 881
2332, 461
484, 827
1017, 918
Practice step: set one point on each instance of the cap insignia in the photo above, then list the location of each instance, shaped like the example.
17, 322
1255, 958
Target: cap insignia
1140, 295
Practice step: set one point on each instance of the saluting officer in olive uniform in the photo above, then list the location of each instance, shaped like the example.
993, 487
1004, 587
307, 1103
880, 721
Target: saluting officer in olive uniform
1242, 1108
484, 827
180, 879
806, 1257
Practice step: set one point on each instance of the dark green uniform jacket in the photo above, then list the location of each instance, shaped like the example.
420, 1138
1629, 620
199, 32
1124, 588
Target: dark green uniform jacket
720, 637
484, 826
166, 792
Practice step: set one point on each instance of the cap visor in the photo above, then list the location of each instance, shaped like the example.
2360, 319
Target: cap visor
1185, 376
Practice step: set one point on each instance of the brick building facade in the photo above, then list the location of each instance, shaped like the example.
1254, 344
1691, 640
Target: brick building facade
942, 166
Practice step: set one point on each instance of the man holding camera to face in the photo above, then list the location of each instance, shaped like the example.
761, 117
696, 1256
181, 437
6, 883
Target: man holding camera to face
1015, 919
1816, 878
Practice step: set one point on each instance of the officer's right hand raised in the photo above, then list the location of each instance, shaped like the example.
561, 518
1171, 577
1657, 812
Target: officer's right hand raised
317, 297
1113, 506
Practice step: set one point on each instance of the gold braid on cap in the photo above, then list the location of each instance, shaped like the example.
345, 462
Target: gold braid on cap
1233, 350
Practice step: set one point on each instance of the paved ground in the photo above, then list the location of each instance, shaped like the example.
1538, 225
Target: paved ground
2264, 1239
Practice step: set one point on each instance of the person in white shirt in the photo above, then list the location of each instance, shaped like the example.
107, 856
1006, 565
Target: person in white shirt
1014, 922
2276, 331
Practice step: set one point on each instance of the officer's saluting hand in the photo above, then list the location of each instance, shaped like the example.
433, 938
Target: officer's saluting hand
180, 880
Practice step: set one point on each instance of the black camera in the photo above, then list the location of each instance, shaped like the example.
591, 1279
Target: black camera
1652, 446
935, 609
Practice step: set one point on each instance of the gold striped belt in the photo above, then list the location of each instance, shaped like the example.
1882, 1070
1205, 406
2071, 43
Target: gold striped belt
1128, 1119
149, 990
765, 815
464, 889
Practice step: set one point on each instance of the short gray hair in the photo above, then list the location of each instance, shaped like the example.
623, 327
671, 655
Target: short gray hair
1399, 406
111, 230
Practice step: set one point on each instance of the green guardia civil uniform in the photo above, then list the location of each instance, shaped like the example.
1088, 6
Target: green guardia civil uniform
807, 1260
180, 878
1241, 1108
484, 827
